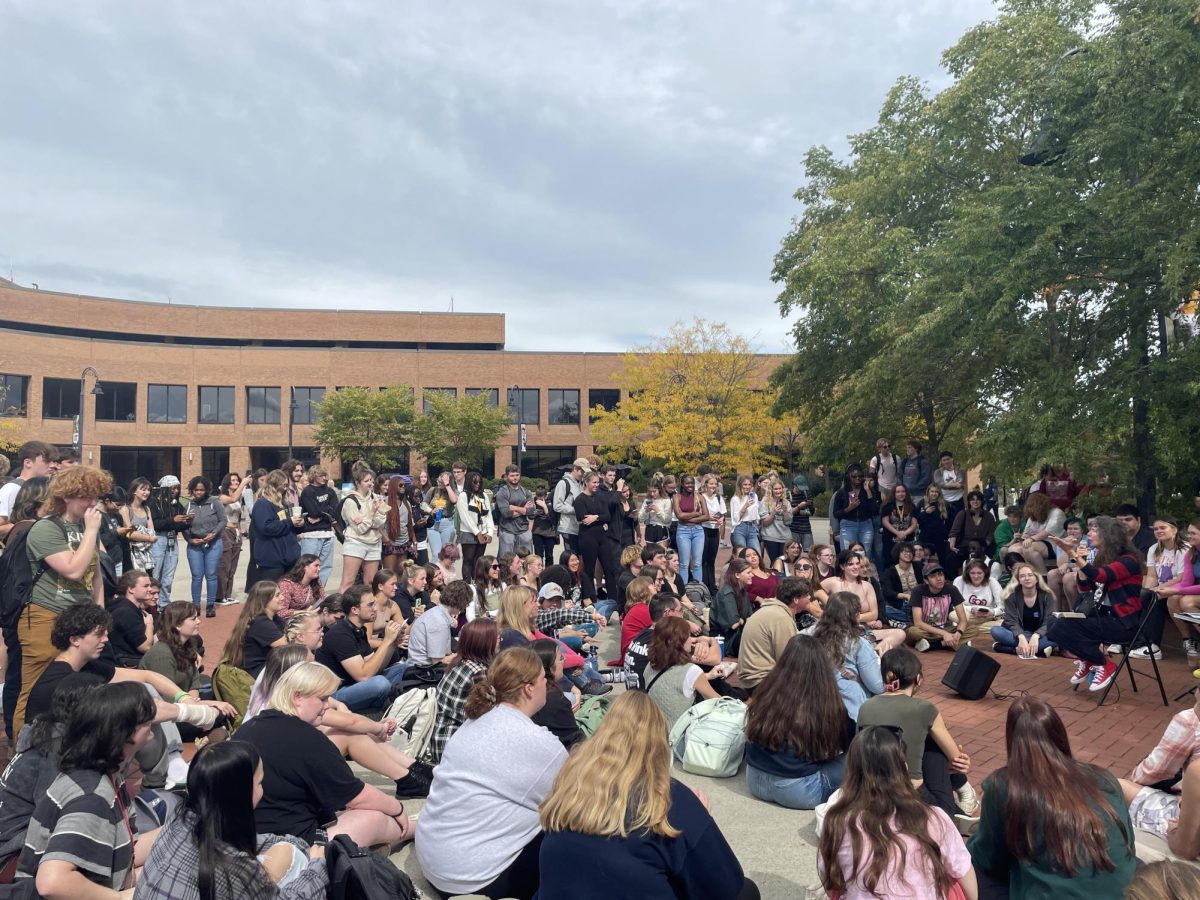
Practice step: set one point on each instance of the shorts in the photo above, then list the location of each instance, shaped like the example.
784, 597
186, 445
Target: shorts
1153, 810
361, 550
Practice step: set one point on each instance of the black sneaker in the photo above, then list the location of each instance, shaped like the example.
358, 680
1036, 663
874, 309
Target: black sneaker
595, 689
211, 614
416, 783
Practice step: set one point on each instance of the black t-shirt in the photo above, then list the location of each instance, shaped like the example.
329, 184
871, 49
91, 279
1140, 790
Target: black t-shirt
305, 780
41, 695
595, 505
637, 655
343, 641
404, 600
557, 717
1031, 617
935, 608
263, 632
128, 630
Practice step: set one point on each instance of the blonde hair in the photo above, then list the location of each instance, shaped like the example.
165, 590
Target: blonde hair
630, 555
75, 483
297, 624
1014, 585
314, 471
506, 678
1167, 879
619, 780
273, 486
359, 471
512, 609
308, 679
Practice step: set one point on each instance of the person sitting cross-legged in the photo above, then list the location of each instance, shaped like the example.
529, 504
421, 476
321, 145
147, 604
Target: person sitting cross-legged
931, 605
367, 674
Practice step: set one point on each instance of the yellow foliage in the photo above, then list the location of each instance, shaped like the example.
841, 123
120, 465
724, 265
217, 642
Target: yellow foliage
696, 396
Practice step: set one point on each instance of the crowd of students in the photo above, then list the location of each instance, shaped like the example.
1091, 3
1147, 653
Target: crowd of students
109, 683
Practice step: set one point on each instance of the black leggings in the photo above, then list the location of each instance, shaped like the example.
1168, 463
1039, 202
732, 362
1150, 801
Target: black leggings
712, 543
544, 547
940, 783
591, 546
521, 879
471, 553
774, 550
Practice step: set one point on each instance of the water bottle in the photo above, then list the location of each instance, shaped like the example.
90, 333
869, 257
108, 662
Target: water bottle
721, 645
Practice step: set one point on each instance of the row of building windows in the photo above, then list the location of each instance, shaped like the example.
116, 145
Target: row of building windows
167, 403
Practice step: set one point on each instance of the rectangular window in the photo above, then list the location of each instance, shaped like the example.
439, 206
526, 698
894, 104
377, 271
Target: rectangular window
563, 406
262, 406
544, 462
449, 392
305, 398
214, 464
118, 403
493, 394
60, 398
608, 398
216, 404
166, 403
14, 390
524, 403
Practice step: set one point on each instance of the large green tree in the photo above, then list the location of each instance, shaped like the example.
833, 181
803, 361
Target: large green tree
360, 423
464, 428
1027, 312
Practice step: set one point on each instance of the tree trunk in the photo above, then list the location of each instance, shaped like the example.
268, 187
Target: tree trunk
1143, 448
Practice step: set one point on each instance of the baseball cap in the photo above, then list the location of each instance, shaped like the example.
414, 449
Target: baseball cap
550, 589
929, 570
582, 463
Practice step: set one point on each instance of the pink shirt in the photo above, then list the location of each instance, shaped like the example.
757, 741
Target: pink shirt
915, 882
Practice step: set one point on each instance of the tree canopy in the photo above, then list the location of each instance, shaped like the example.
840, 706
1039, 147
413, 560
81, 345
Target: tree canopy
1024, 311
359, 423
464, 428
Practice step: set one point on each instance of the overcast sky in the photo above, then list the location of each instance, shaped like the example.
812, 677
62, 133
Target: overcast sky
594, 170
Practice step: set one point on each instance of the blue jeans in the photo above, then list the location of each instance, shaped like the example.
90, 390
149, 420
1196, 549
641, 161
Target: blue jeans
165, 552
438, 536
1007, 638
373, 692
860, 532
606, 608
746, 535
690, 539
797, 793
322, 549
204, 562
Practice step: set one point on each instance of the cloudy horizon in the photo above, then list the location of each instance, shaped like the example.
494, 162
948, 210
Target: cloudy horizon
594, 171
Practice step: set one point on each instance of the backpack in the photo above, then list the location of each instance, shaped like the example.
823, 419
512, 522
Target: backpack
16, 577
698, 593
710, 738
233, 686
415, 712
591, 713
356, 873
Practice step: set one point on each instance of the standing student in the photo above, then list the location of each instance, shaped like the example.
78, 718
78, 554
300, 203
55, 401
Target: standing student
274, 547
775, 525
855, 505
516, 508
438, 502
592, 521
169, 519
206, 523
655, 513
476, 528
933, 521
692, 512
972, 530
744, 514
714, 528
139, 525
319, 504
237, 520
365, 513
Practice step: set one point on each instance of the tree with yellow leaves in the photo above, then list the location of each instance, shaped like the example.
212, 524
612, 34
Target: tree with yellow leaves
694, 397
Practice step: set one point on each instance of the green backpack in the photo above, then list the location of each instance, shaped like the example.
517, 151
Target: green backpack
591, 713
710, 738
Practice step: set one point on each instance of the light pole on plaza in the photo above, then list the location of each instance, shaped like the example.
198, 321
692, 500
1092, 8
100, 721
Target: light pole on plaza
291, 419
97, 391
516, 400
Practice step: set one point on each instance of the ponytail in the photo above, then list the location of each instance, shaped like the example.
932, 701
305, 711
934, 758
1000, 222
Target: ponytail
506, 678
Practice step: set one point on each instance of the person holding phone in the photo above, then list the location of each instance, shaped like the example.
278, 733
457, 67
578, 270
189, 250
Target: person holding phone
206, 523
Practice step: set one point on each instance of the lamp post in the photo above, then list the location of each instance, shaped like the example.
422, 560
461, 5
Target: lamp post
97, 391
291, 420
516, 400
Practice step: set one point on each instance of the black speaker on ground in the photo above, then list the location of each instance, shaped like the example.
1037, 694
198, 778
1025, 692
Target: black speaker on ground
971, 672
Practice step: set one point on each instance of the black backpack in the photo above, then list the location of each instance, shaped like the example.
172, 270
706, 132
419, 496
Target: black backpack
16, 577
356, 873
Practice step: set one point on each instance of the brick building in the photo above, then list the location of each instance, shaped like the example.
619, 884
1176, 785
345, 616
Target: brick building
204, 390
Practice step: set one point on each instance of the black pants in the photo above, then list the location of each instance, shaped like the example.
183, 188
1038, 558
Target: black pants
12, 679
520, 880
712, 543
591, 545
471, 553
774, 550
544, 547
610, 562
749, 891
266, 575
940, 783
1083, 637
570, 541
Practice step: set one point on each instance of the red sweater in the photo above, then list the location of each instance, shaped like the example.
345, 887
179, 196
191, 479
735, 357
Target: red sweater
1122, 583
633, 623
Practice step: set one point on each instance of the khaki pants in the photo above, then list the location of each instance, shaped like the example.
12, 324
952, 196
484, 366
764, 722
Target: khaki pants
33, 631
972, 630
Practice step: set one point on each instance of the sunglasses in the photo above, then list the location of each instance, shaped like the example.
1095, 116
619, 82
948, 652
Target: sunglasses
494, 566
805, 566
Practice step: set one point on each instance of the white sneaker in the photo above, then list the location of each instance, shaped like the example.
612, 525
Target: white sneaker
1113, 649
1144, 652
921, 646
966, 798
1191, 647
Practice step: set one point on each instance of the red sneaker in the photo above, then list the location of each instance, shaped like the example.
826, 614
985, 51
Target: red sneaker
1082, 667
1104, 677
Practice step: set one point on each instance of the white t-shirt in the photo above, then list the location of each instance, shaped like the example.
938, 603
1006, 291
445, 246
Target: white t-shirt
743, 509
985, 598
1168, 565
885, 468
8, 496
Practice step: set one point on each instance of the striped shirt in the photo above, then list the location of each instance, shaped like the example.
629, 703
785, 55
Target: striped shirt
79, 821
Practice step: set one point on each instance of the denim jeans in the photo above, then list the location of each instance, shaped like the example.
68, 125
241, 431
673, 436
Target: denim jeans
322, 549
511, 541
863, 532
204, 562
797, 793
1007, 638
439, 535
165, 552
746, 535
606, 608
373, 692
691, 551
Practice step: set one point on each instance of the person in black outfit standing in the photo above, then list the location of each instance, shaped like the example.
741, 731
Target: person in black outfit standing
594, 513
610, 555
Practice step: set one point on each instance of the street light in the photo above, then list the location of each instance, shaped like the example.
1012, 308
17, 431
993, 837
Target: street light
515, 399
97, 391
291, 421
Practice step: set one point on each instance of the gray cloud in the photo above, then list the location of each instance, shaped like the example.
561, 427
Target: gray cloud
623, 163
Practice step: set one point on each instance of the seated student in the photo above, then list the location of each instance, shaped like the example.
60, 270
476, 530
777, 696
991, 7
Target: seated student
432, 639
797, 729
175, 656
210, 850
616, 810
768, 631
880, 840
32, 769
732, 606
1075, 843
853, 573
637, 654
933, 755
516, 620
673, 680
478, 643
1175, 752
258, 628
1174, 817
367, 675
573, 626
631, 567
300, 586
478, 832
307, 783
899, 581
132, 630
982, 601
855, 662
79, 843
558, 714
931, 605
1027, 607
636, 614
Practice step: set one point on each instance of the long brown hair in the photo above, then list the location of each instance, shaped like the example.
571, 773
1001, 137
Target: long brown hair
1055, 806
505, 680
183, 651
798, 704
878, 803
256, 604
669, 644
839, 628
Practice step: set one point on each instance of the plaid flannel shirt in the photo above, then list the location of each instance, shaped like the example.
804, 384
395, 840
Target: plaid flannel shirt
550, 620
1176, 749
452, 694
